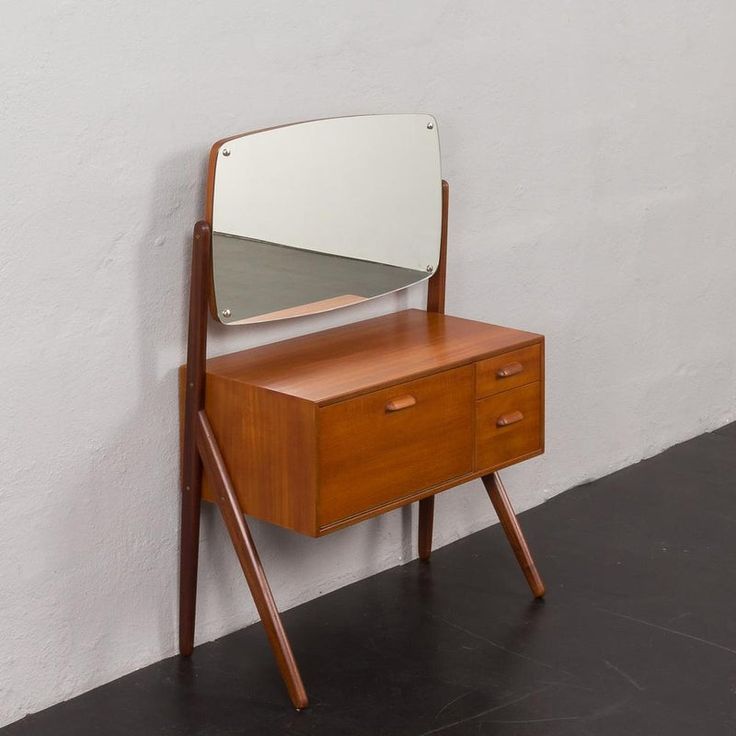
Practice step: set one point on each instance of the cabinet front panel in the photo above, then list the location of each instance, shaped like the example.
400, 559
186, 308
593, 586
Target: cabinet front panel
394, 442
508, 426
507, 371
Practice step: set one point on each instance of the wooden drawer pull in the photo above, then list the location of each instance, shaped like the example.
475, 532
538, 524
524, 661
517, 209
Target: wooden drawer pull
511, 418
403, 402
512, 369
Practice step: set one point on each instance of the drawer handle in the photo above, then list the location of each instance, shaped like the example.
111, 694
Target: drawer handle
511, 418
512, 369
403, 402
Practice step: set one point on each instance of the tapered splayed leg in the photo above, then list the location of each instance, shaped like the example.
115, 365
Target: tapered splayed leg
237, 527
189, 553
426, 522
193, 385
509, 522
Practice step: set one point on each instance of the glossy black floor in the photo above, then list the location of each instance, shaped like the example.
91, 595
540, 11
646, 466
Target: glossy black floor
637, 635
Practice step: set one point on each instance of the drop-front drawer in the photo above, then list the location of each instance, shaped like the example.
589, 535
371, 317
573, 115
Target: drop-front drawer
391, 443
508, 370
508, 426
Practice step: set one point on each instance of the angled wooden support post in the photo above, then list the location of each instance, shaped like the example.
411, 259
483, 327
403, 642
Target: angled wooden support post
435, 303
191, 464
227, 501
509, 522
426, 522
200, 451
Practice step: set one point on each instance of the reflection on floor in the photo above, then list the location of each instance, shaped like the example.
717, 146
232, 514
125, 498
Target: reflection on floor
637, 635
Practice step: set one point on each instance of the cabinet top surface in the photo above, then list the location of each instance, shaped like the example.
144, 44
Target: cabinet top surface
327, 366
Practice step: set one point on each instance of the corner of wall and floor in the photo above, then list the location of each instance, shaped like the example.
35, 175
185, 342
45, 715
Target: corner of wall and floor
589, 153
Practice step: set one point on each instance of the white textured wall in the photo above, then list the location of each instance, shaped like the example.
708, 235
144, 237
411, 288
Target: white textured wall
591, 153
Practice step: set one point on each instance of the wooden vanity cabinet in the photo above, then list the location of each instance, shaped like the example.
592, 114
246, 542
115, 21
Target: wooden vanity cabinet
322, 431
326, 430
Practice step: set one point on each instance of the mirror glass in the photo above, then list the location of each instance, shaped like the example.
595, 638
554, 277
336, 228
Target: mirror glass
318, 215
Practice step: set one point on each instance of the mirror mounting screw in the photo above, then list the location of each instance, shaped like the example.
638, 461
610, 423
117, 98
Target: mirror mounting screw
225, 151
430, 125
226, 312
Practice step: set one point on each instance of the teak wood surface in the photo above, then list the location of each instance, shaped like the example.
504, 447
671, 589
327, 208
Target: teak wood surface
325, 430
192, 385
310, 430
249, 561
401, 452
343, 362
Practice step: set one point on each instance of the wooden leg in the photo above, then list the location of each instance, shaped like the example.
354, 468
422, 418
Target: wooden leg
510, 524
191, 464
191, 501
426, 522
228, 504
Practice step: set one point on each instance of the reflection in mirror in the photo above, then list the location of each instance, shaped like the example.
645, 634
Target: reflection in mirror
314, 216
261, 281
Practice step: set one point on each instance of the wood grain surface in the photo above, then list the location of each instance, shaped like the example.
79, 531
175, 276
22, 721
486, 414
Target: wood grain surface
322, 431
368, 456
508, 426
333, 365
502, 372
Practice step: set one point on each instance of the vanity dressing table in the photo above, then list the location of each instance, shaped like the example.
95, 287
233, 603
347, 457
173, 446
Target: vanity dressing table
323, 431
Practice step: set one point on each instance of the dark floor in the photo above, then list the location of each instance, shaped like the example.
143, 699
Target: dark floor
637, 635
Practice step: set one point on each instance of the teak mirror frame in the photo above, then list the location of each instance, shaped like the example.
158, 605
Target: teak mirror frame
200, 452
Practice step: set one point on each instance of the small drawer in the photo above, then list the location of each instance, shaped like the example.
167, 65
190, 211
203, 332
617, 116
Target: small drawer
509, 370
508, 426
394, 442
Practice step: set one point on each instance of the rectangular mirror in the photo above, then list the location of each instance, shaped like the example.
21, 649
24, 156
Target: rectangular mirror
318, 215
